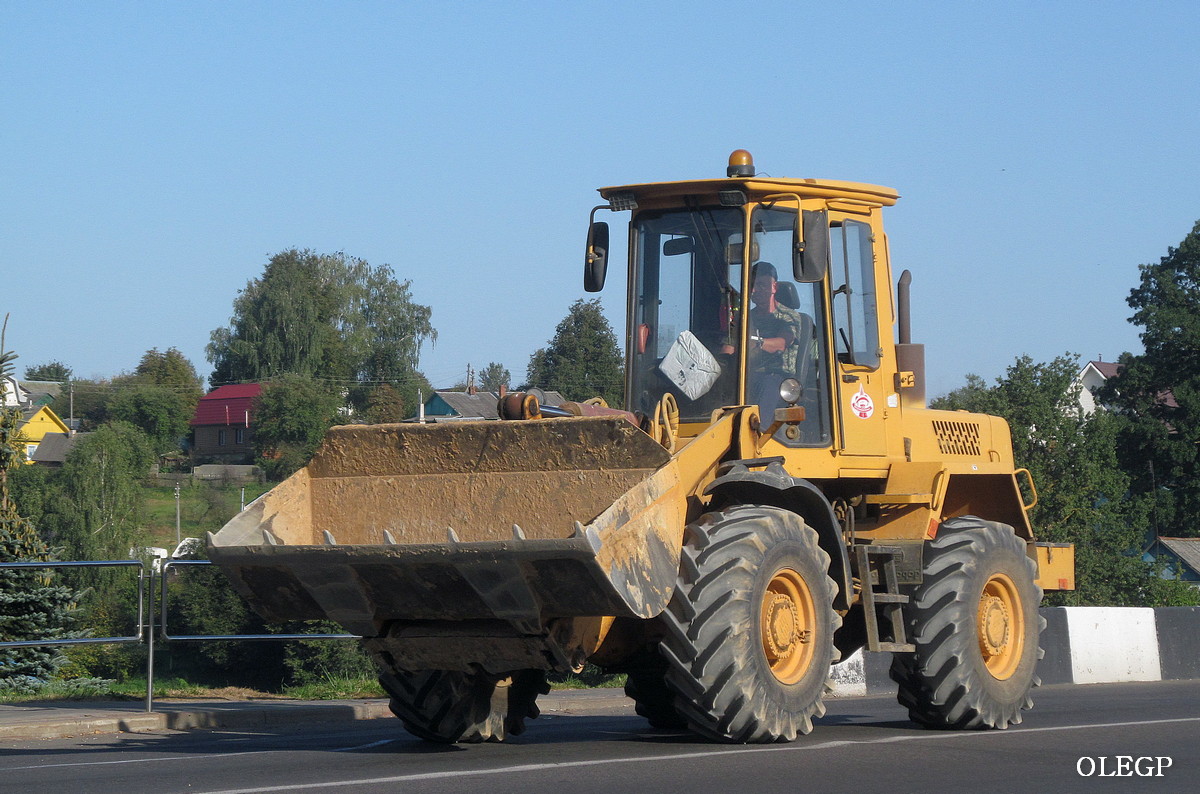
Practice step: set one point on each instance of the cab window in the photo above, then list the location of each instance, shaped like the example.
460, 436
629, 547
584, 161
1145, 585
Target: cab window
855, 310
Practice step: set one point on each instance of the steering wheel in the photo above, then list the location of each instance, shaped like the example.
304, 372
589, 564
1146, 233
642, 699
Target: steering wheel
664, 427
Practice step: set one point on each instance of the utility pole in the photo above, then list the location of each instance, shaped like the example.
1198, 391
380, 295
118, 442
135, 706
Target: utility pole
178, 537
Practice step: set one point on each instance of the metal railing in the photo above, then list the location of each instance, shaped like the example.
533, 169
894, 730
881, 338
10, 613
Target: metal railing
148, 615
135, 637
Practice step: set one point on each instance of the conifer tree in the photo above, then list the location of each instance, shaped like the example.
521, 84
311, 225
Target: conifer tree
583, 359
32, 606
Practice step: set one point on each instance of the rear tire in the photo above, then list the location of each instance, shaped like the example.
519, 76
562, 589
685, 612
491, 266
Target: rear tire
975, 623
749, 631
447, 706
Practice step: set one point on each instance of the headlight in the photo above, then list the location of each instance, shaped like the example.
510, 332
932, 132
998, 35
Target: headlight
790, 391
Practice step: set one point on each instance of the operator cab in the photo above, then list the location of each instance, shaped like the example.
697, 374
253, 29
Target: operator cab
729, 294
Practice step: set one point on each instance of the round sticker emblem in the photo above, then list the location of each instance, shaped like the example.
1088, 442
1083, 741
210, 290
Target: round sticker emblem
861, 404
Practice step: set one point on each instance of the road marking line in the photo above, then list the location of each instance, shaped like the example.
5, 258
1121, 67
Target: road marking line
508, 770
379, 743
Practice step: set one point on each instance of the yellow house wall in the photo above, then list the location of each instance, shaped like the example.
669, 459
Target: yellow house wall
43, 422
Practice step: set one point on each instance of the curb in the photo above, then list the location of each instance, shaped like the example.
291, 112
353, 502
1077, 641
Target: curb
42, 722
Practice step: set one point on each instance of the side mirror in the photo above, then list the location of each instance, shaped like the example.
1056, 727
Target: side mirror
810, 254
595, 261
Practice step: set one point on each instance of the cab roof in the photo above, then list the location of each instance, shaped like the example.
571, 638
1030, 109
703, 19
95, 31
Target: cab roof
759, 186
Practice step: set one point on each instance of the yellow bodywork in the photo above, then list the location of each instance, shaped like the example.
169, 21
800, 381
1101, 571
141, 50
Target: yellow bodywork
1056, 565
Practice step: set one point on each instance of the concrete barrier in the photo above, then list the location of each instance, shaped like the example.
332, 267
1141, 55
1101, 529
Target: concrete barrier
1083, 645
1110, 644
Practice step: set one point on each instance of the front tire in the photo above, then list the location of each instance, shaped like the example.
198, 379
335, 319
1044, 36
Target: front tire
652, 698
975, 623
749, 631
447, 706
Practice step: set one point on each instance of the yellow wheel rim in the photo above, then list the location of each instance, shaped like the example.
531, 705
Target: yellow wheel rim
786, 623
1001, 626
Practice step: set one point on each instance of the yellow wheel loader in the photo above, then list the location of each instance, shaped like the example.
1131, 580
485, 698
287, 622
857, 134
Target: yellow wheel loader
775, 496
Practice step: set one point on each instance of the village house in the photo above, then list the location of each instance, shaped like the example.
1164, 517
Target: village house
37, 418
223, 425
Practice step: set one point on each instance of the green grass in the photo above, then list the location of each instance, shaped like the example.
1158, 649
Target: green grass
202, 508
78, 689
603, 682
94, 689
337, 689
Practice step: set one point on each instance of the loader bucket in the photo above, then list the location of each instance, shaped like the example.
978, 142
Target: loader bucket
521, 522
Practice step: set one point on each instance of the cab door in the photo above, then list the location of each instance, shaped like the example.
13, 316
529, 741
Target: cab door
861, 388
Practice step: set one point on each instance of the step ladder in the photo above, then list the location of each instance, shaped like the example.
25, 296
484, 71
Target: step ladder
877, 568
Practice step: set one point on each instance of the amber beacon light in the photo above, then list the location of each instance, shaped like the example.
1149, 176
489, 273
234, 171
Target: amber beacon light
741, 163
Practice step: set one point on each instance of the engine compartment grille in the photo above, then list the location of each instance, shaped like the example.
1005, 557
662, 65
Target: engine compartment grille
957, 438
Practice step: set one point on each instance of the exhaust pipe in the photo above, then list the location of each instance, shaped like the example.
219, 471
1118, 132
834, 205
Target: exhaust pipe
909, 357
903, 308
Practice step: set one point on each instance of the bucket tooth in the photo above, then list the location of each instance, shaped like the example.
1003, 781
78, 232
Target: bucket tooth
329, 541
452, 535
270, 538
588, 533
518, 533
388, 538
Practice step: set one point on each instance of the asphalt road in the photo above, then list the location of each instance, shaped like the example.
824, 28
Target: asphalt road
599, 745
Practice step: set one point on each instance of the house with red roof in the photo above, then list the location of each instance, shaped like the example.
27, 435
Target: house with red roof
223, 425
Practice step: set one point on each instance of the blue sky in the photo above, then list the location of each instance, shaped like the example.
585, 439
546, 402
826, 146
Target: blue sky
156, 154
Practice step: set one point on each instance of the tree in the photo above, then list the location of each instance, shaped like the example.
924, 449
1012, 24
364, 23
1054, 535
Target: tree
321, 315
100, 517
170, 369
1157, 393
493, 376
32, 492
385, 405
163, 414
90, 397
291, 416
1083, 495
50, 371
583, 359
159, 397
32, 605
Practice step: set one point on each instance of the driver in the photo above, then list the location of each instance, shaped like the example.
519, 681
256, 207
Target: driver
774, 326
777, 330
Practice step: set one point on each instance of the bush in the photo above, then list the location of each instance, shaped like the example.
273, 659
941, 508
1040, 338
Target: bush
318, 661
